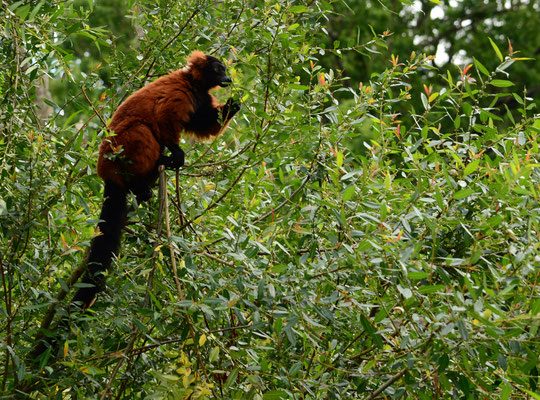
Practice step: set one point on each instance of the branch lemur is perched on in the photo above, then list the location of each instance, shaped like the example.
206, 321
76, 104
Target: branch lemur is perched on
150, 120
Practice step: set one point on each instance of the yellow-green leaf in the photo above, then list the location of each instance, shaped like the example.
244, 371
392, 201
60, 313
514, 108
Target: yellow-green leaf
473, 165
339, 157
202, 339
534, 395
298, 9
293, 27
66, 348
497, 51
214, 354
388, 182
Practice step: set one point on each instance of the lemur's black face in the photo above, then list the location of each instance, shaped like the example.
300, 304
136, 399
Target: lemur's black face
216, 73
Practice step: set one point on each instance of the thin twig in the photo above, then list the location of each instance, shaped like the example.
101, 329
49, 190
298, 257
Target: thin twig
96, 112
284, 202
171, 40
171, 248
332, 271
220, 260
387, 384
178, 204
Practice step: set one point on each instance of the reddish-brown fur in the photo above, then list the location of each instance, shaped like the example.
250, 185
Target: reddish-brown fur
149, 119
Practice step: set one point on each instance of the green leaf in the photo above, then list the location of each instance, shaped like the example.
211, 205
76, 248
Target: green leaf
231, 379
497, 51
439, 198
461, 194
464, 384
495, 220
293, 27
501, 359
297, 86
462, 330
337, 214
518, 99
449, 78
480, 67
535, 396
35, 10
467, 108
297, 366
430, 289
371, 331
298, 9
509, 114
339, 158
275, 395
535, 307
3, 207
425, 101
471, 167
348, 193
387, 182
405, 292
278, 325
417, 275
22, 12
501, 83
506, 391
214, 354
457, 122
15, 5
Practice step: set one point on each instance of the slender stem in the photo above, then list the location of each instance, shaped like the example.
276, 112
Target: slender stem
171, 248
387, 384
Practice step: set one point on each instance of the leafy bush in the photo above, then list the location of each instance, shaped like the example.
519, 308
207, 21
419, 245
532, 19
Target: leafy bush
336, 242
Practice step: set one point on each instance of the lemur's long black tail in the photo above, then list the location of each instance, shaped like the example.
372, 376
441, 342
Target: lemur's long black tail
105, 246
102, 250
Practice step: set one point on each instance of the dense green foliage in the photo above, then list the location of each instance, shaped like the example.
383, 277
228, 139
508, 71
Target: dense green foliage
455, 32
341, 240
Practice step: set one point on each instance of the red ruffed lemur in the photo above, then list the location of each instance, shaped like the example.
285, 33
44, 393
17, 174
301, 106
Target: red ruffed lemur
150, 120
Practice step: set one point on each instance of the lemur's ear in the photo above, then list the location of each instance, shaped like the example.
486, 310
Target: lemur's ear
196, 62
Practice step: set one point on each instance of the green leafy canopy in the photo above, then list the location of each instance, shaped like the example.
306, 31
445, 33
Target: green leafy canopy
367, 227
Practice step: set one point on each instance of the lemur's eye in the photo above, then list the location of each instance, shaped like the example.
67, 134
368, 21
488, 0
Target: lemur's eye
216, 69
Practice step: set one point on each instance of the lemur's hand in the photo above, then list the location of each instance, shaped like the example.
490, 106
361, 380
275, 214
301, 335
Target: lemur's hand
230, 108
